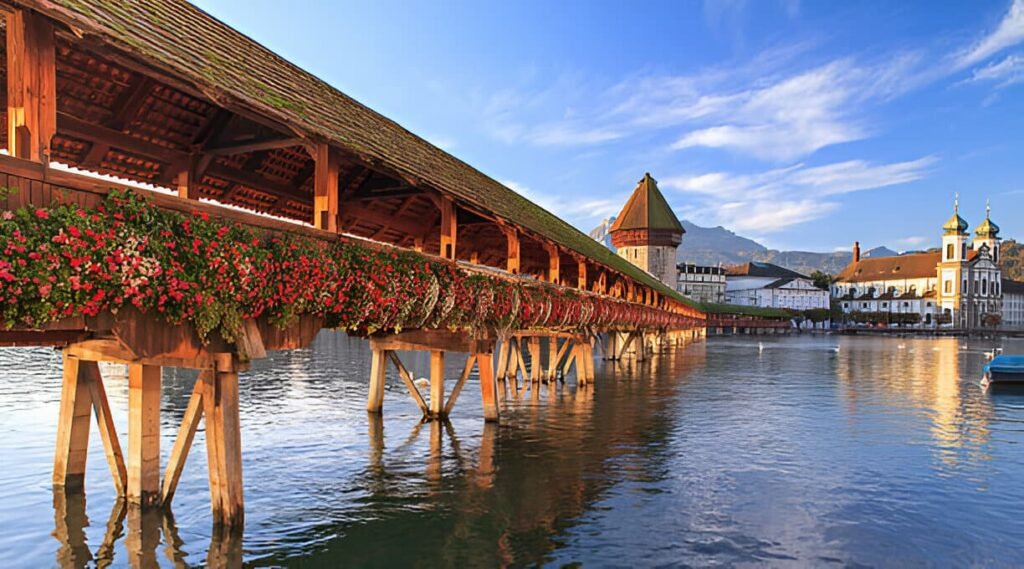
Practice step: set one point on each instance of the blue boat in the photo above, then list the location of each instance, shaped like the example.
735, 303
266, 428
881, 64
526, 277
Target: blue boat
1005, 369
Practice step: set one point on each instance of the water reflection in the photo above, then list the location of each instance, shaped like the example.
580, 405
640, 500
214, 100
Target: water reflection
847, 451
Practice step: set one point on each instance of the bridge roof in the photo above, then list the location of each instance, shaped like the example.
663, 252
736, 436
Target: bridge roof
180, 40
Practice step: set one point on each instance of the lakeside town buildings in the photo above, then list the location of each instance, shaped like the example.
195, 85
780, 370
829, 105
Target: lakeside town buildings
701, 283
771, 286
960, 285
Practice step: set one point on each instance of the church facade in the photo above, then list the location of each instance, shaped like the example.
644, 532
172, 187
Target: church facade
958, 286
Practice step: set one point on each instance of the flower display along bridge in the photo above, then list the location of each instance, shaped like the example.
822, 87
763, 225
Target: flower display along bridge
175, 195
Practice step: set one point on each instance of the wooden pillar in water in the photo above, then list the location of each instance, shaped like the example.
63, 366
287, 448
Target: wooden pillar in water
378, 367
535, 365
144, 434
224, 442
488, 386
552, 372
436, 383
72, 428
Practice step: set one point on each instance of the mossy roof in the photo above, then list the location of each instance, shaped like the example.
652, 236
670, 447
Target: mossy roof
232, 69
647, 209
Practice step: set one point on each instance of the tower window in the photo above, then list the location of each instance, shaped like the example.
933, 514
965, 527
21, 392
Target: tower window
949, 252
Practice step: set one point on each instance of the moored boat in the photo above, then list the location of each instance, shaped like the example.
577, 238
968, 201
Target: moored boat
1005, 369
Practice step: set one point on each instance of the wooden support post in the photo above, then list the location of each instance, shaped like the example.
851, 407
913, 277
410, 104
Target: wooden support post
521, 359
144, 434
436, 383
581, 280
408, 381
472, 359
72, 428
224, 442
186, 182
105, 422
488, 386
449, 228
325, 189
512, 262
378, 368
186, 433
502, 359
570, 358
554, 263
536, 368
588, 360
552, 359
31, 85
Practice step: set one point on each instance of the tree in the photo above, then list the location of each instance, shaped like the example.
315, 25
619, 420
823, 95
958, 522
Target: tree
822, 280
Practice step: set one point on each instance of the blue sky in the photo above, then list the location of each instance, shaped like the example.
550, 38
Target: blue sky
805, 125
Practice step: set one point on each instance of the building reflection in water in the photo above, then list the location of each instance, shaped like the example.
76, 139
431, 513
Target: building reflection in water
925, 377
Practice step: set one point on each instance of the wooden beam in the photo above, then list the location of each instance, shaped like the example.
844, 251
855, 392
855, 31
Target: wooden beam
488, 386
72, 428
186, 433
325, 189
554, 263
31, 85
255, 145
449, 228
458, 385
581, 275
436, 383
224, 443
408, 381
512, 237
378, 368
127, 106
144, 434
90, 132
105, 422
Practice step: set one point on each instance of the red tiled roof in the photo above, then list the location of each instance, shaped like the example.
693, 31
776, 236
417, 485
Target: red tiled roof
916, 266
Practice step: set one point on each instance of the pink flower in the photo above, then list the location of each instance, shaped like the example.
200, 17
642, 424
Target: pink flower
42, 214
44, 290
7, 215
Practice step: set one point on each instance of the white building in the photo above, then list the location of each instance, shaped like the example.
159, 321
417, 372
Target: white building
701, 283
772, 286
1013, 304
959, 285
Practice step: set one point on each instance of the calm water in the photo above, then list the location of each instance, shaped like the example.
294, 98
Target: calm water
881, 453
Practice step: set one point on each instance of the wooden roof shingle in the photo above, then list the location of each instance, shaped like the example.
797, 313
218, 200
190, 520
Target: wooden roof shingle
232, 70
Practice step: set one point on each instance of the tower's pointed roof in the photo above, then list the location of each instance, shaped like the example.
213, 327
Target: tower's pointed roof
956, 224
988, 228
647, 209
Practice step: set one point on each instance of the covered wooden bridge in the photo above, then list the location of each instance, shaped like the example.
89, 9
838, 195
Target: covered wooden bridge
263, 206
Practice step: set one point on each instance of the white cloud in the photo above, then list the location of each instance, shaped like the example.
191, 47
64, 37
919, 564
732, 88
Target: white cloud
776, 199
575, 211
1006, 72
1009, 32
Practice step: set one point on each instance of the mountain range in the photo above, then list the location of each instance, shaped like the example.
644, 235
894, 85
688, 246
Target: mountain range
718, 245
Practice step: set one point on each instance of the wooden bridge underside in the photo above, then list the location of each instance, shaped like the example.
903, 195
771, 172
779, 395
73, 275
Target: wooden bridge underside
77, 106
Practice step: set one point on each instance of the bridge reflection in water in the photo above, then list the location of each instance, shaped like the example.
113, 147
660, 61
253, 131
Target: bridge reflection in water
484, 494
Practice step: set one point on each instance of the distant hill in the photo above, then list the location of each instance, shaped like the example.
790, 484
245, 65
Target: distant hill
718, 245
1013, 260
714, 245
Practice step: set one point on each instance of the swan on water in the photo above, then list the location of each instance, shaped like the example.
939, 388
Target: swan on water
760, 347
422, 383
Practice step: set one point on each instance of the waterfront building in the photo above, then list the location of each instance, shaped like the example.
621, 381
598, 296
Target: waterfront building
701, 283
1013, 304
771, 286
959, 285
647, 232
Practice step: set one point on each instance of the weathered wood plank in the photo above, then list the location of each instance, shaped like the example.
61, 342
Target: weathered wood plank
436, 382
378, 367
472, 359
105, 422
183, 442
72, 427
144, 434
488, 387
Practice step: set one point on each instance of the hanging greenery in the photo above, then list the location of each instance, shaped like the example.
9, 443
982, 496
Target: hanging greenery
65, 261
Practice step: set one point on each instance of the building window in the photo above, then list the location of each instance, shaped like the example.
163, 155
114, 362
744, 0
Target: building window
885, 305
846, 305
949, 287
949, 252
